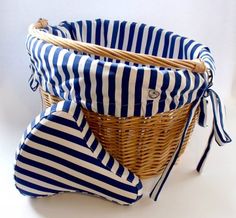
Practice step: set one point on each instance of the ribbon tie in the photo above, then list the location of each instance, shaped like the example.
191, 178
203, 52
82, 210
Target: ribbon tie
218, 129
218, 132
33, 81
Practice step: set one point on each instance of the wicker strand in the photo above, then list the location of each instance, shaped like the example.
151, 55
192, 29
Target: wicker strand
193, 65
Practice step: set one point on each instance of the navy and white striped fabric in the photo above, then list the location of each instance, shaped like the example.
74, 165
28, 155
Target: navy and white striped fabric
59, 153
122, 89
115, 87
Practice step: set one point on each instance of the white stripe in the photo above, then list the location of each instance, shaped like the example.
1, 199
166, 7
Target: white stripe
145, 88
34, 191
77, 174
63, 180
159, 84
62, 74
63, 128
126, 36
176, 47
135, 37
182, 86
51, 73
169, 90
40, 182
144, 39
105, 86
153, 40
161, 44
75, 160
131, 91
118, 85
93, 80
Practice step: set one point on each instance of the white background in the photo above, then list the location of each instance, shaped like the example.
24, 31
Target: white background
186, 194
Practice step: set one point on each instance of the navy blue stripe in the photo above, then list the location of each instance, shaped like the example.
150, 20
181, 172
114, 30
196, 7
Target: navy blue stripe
122, 34
172, 46
59, 134
175, 90
43, 73
186, 88
82, 182
125, 91
48, 69
110, 163
149, 39
98, 34
66, 107
34, 186
166, 44
112, 88
193, 51
120, 170
131, 177
131, 36
99, 94
186, 47
94, 145
88, 30
152, 85
75, 68
181, 48
63, 149
87, 81
73, 166
157, 42
101, 154
43, 178
80, 24
23, 192
66, 74
196, 84
114, 33
139, 38
106, 25
138, 92
63, 121
165, 84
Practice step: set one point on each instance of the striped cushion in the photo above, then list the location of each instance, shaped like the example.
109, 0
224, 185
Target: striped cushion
59, 153
114, 87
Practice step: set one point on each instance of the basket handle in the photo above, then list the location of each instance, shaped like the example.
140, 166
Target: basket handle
196, 65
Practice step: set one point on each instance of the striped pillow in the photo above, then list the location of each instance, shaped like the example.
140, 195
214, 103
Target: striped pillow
59, 153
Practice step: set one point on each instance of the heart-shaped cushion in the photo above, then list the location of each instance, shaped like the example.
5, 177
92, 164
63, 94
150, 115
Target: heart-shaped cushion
59, 153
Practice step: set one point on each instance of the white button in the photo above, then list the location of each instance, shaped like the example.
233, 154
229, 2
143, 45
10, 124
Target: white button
153, 94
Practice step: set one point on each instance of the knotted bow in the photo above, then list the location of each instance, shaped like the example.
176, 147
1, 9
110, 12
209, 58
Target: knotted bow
33, 81
218, 132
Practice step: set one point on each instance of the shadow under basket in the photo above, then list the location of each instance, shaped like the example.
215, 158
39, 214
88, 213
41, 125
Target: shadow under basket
143, 144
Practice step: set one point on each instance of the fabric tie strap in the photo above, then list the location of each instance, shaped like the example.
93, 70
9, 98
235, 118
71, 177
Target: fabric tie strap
218, 131
33, 81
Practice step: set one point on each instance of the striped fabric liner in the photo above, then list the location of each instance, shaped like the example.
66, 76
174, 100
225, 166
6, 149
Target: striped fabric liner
115, 87
59, 153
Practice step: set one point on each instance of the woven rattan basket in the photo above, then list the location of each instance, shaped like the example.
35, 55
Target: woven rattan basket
143, 144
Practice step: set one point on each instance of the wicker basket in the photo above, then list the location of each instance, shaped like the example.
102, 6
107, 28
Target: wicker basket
143, 144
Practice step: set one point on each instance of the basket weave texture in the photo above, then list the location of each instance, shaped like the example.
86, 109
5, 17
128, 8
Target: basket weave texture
143, 144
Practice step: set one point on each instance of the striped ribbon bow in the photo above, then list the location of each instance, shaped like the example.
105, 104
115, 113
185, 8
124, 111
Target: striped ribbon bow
218, 132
